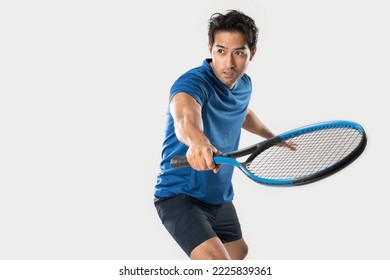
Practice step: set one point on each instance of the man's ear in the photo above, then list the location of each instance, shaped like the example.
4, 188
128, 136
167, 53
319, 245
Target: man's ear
253, 52
210, 47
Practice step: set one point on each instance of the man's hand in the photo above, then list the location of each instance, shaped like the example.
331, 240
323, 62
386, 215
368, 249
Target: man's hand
200, 155
289, 144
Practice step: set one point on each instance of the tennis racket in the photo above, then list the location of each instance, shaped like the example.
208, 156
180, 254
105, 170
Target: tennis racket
322, 150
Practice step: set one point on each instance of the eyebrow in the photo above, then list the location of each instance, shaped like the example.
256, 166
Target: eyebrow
236, 49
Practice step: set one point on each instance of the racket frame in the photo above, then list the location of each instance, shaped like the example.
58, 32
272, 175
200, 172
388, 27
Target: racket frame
254, 150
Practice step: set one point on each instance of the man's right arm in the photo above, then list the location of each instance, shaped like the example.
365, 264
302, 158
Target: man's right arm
187, 116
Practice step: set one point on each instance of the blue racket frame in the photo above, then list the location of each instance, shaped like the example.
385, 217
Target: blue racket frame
231, 158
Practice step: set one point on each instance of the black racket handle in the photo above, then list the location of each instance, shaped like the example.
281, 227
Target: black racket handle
180, 162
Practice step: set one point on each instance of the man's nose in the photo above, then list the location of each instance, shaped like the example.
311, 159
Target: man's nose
229, 62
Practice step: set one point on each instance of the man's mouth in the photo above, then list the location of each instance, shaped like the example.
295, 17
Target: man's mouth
228, 74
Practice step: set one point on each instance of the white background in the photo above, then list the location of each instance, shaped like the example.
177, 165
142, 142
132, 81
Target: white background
84, 88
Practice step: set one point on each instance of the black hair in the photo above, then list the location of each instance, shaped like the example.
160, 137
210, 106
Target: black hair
233, 21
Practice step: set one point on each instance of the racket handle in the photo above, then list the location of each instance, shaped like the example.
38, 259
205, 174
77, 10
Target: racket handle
180, 162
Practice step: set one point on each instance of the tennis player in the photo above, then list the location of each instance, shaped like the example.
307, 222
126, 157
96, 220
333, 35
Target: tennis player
208, 106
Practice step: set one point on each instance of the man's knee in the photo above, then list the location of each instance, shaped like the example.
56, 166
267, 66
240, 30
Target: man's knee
237, 250
211, 249
244, 251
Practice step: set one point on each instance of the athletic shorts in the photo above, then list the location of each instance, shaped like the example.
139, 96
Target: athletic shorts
191, 222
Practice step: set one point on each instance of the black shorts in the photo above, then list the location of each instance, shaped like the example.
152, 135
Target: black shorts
191, 222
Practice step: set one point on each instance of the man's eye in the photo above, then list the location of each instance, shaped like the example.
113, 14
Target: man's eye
240, 53
221, 51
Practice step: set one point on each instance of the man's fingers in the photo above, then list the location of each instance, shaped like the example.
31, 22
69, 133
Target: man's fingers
216, 168
202, 157
210, 159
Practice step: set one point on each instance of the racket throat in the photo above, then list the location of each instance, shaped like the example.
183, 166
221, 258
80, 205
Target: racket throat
227, 160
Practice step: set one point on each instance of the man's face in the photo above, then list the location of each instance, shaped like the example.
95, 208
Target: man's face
231, 56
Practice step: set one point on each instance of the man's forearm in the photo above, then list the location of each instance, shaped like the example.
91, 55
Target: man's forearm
187, 117
189, 131
254, 125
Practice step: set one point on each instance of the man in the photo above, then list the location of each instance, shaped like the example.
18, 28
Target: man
207, 109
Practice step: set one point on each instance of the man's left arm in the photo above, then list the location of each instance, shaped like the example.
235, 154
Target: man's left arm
254, 125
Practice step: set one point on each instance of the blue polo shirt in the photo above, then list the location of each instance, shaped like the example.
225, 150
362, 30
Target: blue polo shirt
223, 113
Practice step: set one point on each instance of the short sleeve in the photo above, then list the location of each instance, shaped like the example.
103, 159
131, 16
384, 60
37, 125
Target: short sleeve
192, 85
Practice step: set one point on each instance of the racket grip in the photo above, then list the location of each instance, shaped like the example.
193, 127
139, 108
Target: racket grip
180, 162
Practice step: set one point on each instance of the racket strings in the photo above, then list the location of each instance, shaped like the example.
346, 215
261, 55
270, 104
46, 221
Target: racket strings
316, 151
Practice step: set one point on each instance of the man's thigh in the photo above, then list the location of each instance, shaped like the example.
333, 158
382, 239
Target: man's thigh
185, 222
